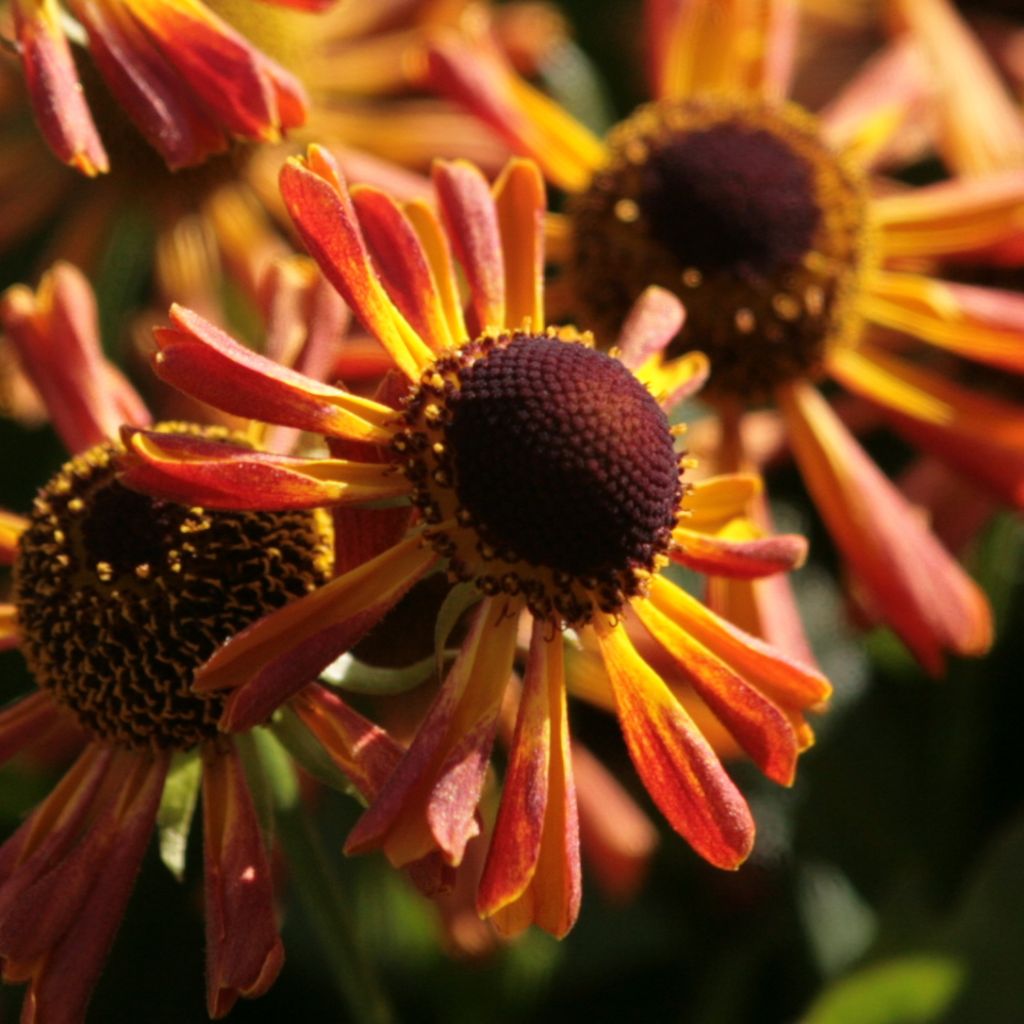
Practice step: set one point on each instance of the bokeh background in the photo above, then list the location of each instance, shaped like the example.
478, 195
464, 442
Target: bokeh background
886, 886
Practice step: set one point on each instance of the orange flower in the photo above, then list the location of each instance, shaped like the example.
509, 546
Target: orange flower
793, 265
539, 472
117, 598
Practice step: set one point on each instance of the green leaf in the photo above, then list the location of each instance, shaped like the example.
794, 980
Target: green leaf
177, 809
306, 750
348, 673
460, 598
906, 990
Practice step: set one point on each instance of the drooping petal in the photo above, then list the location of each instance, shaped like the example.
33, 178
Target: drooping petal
147, 86
56, 333
952, 217
784, 679
217, 474
677, 765
616, 836
521, 202
275, 657
737, 556
473, 72
243, 950
984, 324
967, 82
208, 364
755, 722
922, 592
471, 220
54, 89
532, 873
59, 920
429, 802
317, 200
981, 437
403, 265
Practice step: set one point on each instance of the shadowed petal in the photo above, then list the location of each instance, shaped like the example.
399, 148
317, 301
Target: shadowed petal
429, 802
922, 592
25, 721
243, 950
276, 657
532, 873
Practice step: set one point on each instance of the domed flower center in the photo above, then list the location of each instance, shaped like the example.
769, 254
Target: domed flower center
550, 469
122, 597
745, 214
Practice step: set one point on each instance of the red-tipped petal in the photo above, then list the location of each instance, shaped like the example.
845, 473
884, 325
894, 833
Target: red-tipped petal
679, 769
54, 89
243, 950
317, 199
205, 362
656, 318
741, 559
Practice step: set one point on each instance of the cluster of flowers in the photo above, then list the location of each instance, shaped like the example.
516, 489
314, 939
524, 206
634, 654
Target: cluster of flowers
419, 410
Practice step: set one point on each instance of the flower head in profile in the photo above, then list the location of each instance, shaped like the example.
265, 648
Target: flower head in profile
117, 599
794, 264
543, 475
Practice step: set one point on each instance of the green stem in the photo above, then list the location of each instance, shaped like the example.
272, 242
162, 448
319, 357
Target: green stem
314, 875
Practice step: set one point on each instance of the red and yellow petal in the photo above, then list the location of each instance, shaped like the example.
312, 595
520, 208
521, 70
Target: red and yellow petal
317, 199
429, 802
217, 474
983, 324
11, 528
273, 659
54, 89
243, 949
953, 217
654, 320
532, 872
208, 364
785, 680
923, 594
676, 763
981, 437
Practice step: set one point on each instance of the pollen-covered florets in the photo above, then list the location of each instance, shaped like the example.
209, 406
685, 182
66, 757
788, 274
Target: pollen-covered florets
741, 210
121, 597
546, 470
